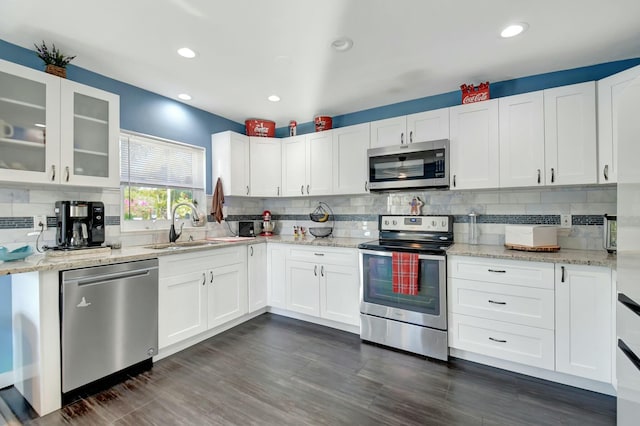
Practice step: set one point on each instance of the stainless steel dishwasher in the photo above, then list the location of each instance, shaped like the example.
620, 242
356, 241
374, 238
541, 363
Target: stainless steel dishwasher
109, 324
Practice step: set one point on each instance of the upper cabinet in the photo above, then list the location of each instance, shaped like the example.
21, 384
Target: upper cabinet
522, 140
609, 91
56, 131
474, 145
350, 166
570, 134
419, 127
307, 164
265, 160
230, 162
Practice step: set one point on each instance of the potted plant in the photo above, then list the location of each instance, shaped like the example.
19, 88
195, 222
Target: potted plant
54, 59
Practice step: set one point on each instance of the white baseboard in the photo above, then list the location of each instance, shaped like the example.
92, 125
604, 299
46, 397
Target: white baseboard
6, 379
321, 321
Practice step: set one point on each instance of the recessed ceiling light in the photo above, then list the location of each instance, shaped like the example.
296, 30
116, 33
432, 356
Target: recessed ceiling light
513, 30
342, 44
184, 97
186, 52
274, 98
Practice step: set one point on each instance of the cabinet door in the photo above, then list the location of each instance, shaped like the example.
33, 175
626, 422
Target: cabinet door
276, 275
522, 140
230, 162
583, 321
428, 125
266, 166
570, 134
350, 166
257, 276
29, 125
609, 91
182, 309
340, 294
90, 126
227, 294
389, 132
294, 161
303, 287
474, 145
319, 163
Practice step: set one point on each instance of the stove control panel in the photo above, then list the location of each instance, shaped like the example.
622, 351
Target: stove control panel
416, 223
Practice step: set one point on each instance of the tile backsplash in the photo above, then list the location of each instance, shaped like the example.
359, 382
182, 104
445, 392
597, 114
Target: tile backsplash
355, 216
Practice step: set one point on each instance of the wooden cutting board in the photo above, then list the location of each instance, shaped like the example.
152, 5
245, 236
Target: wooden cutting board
529, 248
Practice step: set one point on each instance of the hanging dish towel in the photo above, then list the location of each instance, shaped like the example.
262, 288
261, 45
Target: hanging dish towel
405, 273
218, 201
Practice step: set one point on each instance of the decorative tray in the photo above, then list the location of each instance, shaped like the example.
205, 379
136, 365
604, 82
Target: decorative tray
529, 248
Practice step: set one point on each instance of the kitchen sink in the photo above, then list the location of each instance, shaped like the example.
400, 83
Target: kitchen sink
181, 244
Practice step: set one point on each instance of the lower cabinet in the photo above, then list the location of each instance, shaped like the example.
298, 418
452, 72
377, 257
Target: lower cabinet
257, 276
199, 291
303, 287
553, 316
276, 273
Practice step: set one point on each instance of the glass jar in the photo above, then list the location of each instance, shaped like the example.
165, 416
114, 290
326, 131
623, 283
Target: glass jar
473, 228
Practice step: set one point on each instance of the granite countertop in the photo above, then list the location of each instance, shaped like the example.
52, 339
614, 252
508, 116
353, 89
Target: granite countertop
40, 262
569, 256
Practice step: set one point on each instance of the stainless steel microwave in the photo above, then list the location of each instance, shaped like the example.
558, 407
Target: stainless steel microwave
411, 166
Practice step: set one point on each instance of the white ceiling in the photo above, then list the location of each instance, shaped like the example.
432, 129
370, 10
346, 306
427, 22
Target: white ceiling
249, 49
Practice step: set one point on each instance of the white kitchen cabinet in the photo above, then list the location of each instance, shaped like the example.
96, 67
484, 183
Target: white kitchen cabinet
388, 132
230, 162
340, 293
350, 165
428, 125
257, 276
570, 134
276, 275
199, 291
522, 140
57, 131
584, 319
474, 136
303, 287
265, 159
609, 91
307, 164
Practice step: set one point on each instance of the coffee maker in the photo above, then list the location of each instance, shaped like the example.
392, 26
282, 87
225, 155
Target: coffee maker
80, 224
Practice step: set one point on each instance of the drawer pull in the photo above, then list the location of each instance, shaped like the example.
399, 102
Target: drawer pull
497, 340
318, 254
497, 271
497, 303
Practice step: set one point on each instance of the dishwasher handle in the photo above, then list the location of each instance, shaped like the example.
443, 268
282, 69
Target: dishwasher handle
97, 279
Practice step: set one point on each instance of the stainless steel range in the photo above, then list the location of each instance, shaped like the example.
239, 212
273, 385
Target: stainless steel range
413, 322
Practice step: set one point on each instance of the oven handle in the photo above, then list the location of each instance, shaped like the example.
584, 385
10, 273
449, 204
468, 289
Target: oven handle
389, 254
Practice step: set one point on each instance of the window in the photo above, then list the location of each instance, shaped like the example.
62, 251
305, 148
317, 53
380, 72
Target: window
155, 175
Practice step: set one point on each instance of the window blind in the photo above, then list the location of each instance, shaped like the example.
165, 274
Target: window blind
156, 162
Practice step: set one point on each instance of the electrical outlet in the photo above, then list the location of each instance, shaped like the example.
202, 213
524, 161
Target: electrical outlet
565, 221
37, 220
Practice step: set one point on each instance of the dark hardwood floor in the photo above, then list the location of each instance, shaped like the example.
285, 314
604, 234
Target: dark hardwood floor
278, 371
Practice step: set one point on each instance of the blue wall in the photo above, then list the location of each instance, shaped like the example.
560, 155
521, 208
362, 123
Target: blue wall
498, 90
140, 110
6, 344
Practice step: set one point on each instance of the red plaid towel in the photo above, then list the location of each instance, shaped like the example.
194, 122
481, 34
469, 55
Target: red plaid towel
405, 273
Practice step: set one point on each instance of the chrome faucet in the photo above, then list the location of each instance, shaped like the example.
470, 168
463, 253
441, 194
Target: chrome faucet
173, 236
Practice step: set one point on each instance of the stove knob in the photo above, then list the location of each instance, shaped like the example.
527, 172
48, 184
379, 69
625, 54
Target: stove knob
444, 223
395, 222
386, 222
434, 223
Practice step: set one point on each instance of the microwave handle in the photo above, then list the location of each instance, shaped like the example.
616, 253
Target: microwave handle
401, 138
454, 181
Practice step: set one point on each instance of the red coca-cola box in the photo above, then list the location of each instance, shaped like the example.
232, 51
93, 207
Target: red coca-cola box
471, 94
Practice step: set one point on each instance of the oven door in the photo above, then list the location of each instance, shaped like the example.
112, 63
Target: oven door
427, 308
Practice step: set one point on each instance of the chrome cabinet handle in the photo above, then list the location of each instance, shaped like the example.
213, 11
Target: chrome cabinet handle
278, 191
302, 189
307, 189
605, 172
204, 278
454, 181
411, 136
562, 276
497, 340
401, 138
497, 303
211, 278
66, 169
553, 175
318, 254
322, 270
366, 185
315, 270
247, 189
497, 271
53, 172
538, 175
251, 250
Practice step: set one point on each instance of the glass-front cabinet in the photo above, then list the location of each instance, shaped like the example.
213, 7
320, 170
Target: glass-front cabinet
56, 131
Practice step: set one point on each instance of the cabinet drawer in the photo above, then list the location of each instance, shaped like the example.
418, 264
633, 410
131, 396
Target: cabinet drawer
333, 256
515, 304
532, 274
510, 342
178, 264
